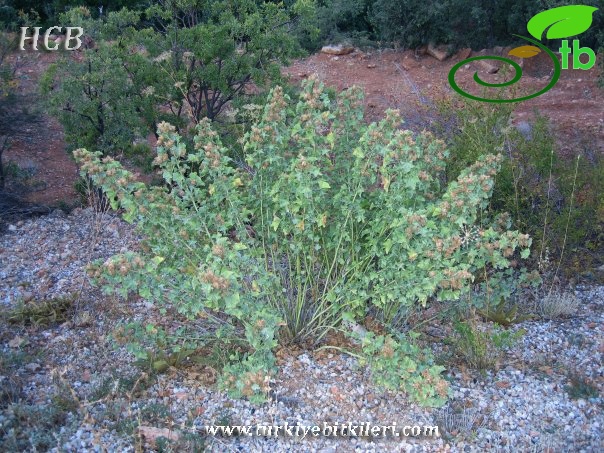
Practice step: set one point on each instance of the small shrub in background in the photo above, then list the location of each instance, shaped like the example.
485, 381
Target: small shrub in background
42, 313
328, 219
177, 61
558, 201
581, 386
342, 21
459, 23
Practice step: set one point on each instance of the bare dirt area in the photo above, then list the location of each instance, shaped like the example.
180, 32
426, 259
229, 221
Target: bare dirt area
404, 80
40, 150
408, 81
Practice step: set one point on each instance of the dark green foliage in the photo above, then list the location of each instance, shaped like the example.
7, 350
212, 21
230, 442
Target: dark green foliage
343, 20
474, 23
16, 113
49, 12
177, 62
410, 22
460, 23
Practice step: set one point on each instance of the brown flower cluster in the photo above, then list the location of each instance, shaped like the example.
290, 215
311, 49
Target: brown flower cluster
276, 106
455, 279
388, 348
217, 282
251, 381
436, 382
312, 97
218, 250
119, 264
165, 128
212, 153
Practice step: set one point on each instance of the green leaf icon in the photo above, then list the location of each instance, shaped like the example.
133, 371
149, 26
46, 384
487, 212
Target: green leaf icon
561, 22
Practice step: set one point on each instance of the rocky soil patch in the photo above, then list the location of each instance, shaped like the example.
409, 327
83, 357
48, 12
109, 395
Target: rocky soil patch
67, 387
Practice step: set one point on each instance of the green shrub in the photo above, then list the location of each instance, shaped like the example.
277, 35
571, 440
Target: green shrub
329, 218
177, 62
557, 201
482, 349
342, 21
461, 23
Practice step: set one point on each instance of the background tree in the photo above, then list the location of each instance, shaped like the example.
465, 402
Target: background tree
178, 61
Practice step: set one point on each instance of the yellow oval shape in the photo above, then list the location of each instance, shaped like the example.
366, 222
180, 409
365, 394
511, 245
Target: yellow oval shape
524, 51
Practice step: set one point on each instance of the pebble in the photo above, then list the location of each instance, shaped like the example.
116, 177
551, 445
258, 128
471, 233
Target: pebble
532, 411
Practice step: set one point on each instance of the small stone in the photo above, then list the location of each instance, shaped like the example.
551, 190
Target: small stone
337, 49
57, 214
33, 367
440, 52
16, 342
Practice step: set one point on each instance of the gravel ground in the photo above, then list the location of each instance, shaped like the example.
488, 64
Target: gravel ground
525, 406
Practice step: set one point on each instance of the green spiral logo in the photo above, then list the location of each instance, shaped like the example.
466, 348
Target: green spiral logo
516, 78
556, 23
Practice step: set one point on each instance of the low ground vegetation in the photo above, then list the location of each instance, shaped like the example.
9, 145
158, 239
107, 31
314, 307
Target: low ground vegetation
556, 199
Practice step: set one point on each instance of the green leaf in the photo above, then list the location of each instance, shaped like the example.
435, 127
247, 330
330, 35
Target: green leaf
331, 139
387, 245
160, 366
324, 185
561, 22
157, 260
275, 223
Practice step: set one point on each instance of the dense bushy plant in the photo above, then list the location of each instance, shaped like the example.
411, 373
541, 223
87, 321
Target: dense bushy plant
329, 218
179, 61
48, 12
341, 21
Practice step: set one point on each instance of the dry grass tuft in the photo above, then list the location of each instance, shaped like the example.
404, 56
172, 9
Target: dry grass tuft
557, 303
